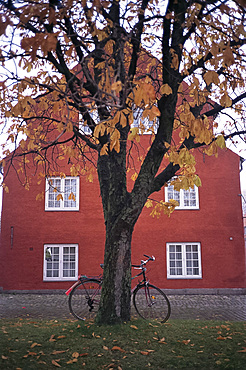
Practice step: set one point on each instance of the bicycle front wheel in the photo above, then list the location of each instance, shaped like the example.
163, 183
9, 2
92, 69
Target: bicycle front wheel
151, 303
84, 299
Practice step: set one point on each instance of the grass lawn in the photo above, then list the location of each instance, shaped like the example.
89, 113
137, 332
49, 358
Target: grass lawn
178, 344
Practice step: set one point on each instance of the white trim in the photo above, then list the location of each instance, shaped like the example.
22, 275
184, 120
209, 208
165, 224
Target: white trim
60, 261
61, 204
180, 264
182, 192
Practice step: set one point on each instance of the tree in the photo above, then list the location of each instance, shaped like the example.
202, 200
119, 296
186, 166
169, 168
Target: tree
121, 68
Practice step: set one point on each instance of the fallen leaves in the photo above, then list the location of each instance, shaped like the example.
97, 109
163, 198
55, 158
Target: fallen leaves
116, 348
35, 344
52, 338
55, 363
223, 338
242, 350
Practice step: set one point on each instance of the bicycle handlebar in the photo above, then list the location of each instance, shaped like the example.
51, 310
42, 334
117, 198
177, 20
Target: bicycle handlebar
144, 262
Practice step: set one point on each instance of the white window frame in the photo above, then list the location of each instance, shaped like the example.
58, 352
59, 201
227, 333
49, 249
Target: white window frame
182, 192
183, 261
61, 202
60, 262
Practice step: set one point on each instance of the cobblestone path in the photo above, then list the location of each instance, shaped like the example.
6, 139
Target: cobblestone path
55, 306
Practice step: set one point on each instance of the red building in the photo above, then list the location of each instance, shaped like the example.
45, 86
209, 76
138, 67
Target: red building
46, 244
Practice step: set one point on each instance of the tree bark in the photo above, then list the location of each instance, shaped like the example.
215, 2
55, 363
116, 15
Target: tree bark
116, 291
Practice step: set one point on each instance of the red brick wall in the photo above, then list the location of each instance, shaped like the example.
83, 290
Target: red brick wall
217, 225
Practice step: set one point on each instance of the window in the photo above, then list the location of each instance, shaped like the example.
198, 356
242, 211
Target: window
187, 199
62, 194
84, 128
144, 124
60, 262
184, 260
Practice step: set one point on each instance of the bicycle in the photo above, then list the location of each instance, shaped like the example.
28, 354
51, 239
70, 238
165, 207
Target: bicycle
149, 301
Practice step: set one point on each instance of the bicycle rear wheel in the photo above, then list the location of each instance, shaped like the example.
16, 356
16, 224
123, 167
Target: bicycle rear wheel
84, 299
151, 303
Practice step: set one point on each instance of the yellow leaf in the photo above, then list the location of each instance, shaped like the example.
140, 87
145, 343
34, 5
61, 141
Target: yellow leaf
114, 140
166, 89
123, 120
99, 130
71, 197
117, 86
228, 56
221, 338
35, 344
175, 59
145, 353
197, 181
220, 141
90, 178
225, 100
75, 355
52, 338
134, 176
104, 150
186, 341
55, 363
134, 327
211, 77
59, 197
134, 134
5, 187
149, 204
116, 348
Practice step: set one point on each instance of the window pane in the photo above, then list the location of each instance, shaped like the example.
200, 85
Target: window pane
54, 189
189, 197
68, 262
192, 260
179, 256
175, 260
70, 193
173, 194
172, 256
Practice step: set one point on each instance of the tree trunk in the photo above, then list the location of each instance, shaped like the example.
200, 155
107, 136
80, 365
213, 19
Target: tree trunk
116, 291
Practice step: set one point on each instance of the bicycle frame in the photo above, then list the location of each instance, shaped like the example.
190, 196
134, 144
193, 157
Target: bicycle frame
144, 281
